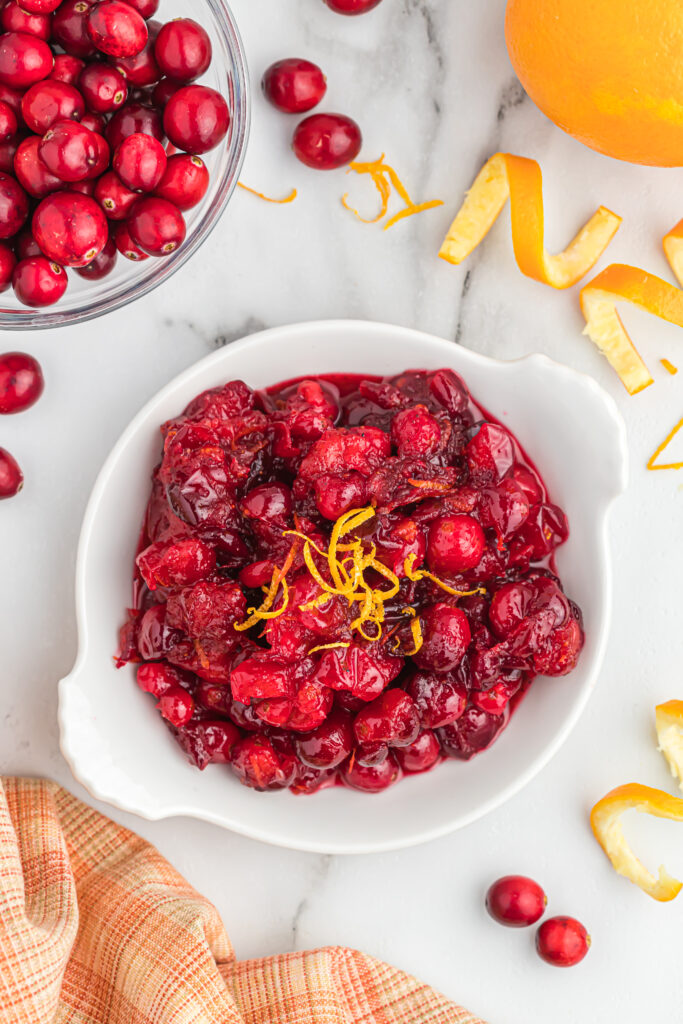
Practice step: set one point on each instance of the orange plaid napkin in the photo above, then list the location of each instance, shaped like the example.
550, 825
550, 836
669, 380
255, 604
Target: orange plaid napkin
97, 928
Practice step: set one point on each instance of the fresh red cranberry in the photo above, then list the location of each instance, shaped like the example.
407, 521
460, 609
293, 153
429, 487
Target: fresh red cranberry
26, 245
95, 122
142, 70
328, 745
69, 150
116, 28
37, 281
327, 141
14, 18
70, 27
140, 162
49, 101
126, 246
132, 118
196, 118
24, 59
21, 382
13, 206
8, 122
12, 97
562, 941
415, 432
102, 264
473, 732
370, 779
11, 477
438, 700
156, 226
115, 199
103, 88
516, 901
455, 544
420, 755
7, 153
352, 6
8, 262
70, 228
86, 187
176, 706
183, 50
446, 633
40, 6
392, 718
147, 8
294, 85
163, 91
184, 182
256, 763
208, 742
66, 69
102, 158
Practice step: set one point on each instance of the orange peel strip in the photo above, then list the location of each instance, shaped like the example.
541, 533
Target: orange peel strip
673, 250
652, 461
669, 725
606, 825
669, 367
268, 199
519, 179
410, 211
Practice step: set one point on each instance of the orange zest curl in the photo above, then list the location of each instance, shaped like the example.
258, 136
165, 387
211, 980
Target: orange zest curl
421, 574
268, 199
385, 178
652, 461
328, 647
518, 179
264, 611
669, 367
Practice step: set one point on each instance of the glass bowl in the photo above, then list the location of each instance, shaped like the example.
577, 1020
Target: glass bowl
84, 299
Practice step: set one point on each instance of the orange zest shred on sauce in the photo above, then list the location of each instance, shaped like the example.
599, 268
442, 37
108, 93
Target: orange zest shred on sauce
652, 461
669, 367
346, 562
268, 199
385, 179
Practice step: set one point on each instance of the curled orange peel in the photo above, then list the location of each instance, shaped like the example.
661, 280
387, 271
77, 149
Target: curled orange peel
669, 726
673, 250
519, 179
652, 463
606, 825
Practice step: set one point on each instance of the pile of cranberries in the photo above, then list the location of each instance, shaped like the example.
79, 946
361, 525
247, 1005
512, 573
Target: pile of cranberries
303, 699
102, 124
517, 901
21, 385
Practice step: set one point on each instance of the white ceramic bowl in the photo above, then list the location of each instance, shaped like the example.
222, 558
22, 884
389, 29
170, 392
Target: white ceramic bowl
110, 733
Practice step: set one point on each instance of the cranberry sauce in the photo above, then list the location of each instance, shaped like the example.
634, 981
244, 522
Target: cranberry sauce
343, 579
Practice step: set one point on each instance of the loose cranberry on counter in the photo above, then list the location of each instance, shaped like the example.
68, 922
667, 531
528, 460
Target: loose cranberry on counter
327, 141
24, 59
562, 941
183, 50
70, 27
66, 69
70, 228
49, 101
352, 6
8, 122
11, 477
101, 265
38, 282
294, 85
8, 262
140, 162
103, 88
516, 901
116, 28
21, 382
185, 181
14, 18
156, 226
196, 118
13, 206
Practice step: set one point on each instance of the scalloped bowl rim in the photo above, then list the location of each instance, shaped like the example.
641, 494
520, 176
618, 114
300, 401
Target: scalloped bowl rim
80, 752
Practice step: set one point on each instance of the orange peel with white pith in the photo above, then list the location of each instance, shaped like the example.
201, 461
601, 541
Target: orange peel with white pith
505, 176
606, 825
669, 726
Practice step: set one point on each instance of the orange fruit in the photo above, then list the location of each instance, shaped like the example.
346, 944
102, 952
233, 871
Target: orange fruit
608, 72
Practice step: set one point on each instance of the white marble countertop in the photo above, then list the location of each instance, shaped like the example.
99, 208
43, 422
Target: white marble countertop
430, 82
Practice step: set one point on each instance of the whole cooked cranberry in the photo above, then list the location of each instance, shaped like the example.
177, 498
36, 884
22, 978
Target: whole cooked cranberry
156, 226
146, 8
140, 162
313, 780
455, 543
352, 6
13, 206
270, 503
415, 432
504, 508
438, 700
70, 228
176, 565
103, 88
392, 718
40, 6
37, 281
142, 69
49, 101
131, 118
11, 477
24, 59
115, 199
8, 122
183, 50
102, 264
21, 382
446, 633
163, 90
335, 494
371, 755
196, 118
116, 28
329, 744
516, 901
69, 150
294, 85
126, 246
14, 18
8, 262
421, 755
156, 677
70, 27
560, 652
529, 483
496, 699
66, 68
326, 141
208, 742
490, 454
545, 529
562, 941
473, 732
510, 605
155, 637
176, 706
256, 763
184, 182
214, 697
370, 779
26, 245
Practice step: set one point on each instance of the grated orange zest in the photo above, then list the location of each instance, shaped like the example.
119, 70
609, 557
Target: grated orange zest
669, 367
269, 199
385, 178
652, 461
422, 574
328, 647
